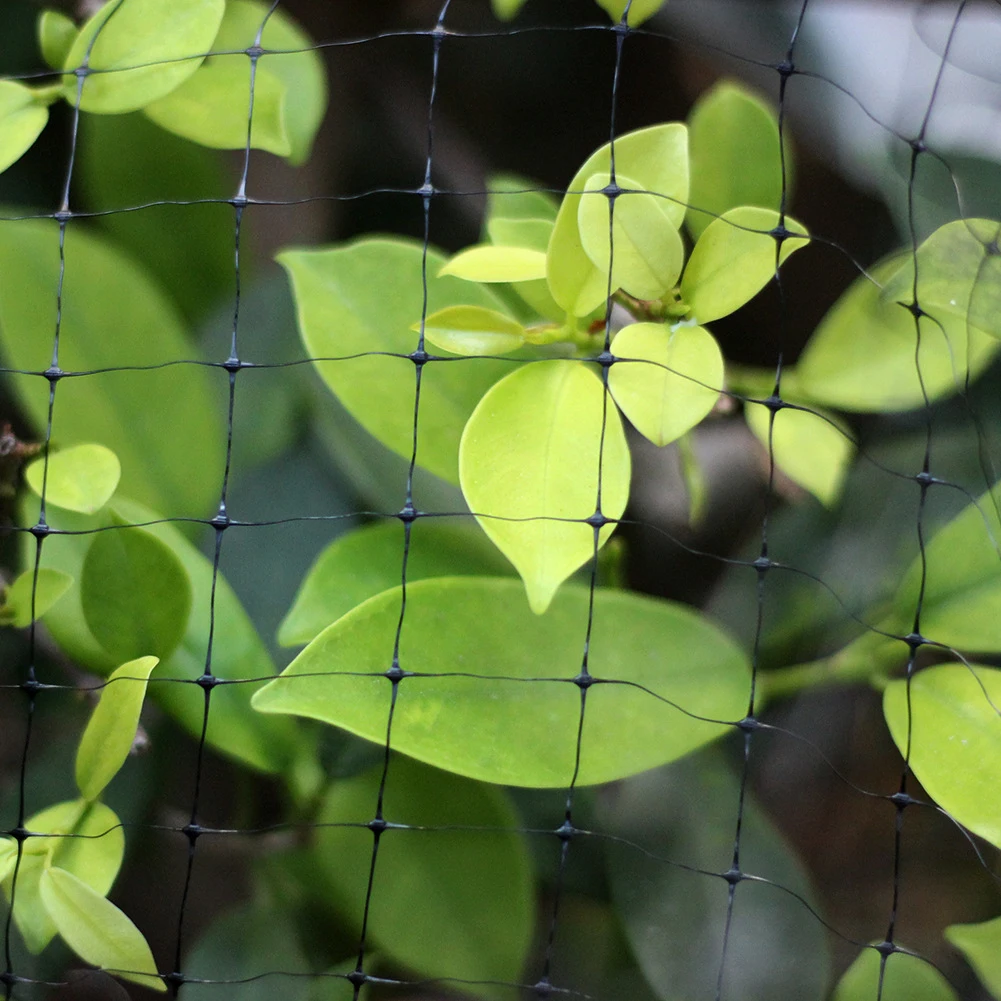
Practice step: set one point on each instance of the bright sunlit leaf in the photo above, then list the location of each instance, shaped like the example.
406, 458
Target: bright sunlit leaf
473, 330
80, 478
49, 587
56, 33
489, 263
22, 118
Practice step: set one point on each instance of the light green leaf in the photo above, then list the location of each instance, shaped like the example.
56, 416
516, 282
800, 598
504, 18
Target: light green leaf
665, 380
81, 478
500, 726
906, 978
734, 140
471, 887
954, 725
862, 355
143, 50
473, 330
488, 263
165, 425
96, 930
806, 446
369, 560
107, 741
361, 298
213, 107
981, 945
513, 197
56, 33
49, 588
8, 857
22, 118
532, 456
959, 271
506, 10
734, 260
30, 916
135, 593
531, 233
643, 249
656, 159
639, 11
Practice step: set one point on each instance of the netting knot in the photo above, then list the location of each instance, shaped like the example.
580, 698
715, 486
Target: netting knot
565, 831
785, 69
175, 980
901, 800
733, 875
207, 681
377, 826
53, 373
583, 680
597, 520
774, 403
886, 948
254, 51
762, 564
925, 478
419, 357
62, 215
9, 979
426, 190
192, 832
543, 988
621, 28
992, 249
915, 640
31, 686
40, 531
605, 359
919, 145
19, 833
357, 977
232, 365
396, 674
611, 190
221, 521
780, 234
408, 513
914, 309
748, 724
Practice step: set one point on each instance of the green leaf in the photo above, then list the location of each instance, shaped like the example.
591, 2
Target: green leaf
135, 592
532, 457
639, 11
8, 857
531, 233
56, 33
361, 298
505, 724
862, 355
108, 739
212, 108
734, 140
48, 589
22, 117
81, 478
488, 263
471, 885
513, 197
363, 563
96, 930
656, 159
143, 50
959, 271
643, 249
981, 945
906, 978
164, 424
685, 812
473, 330
806, 446
665, 380
953, 724
734, 259
506, 10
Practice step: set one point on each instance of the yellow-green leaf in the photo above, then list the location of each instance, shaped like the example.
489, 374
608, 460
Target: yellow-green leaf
473, 330
906, 978
112, 727
639, 11
80, 478
520, 232
529, 465
507, 9
96, 930
981, 945
489, 263
56, 32
22, 118
734, 259
50, 586
665, 380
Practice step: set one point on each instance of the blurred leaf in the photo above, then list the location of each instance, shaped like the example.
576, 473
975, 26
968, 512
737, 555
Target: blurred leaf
361, 298
639, 10
143, 48
684, 816
49, 588
56, 33
507, 9
165, 424
906, 978
107, 741
947, 723
734, 140
981, 945
532, 457
22, 118
473, 330
520, 232
82, 478
514, 197
490, 263
665, 380
369, 560
445, 903
496, 727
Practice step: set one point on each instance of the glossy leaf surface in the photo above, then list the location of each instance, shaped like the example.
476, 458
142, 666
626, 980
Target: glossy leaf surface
490, 263
346, 305
455, 903
955, 739
674, 381
862, 355
806, 446
499, 724
906, 978
135, 593
981, 945
734, 260
473, 330
50, 586
369, 560
22, 118
637, 239
639, 11
656, 159
143, 50
81, 478
529, 466
734, 140
96, 930
107, 741
56, 33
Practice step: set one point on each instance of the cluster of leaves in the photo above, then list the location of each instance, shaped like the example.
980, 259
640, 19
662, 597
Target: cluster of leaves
575, 317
